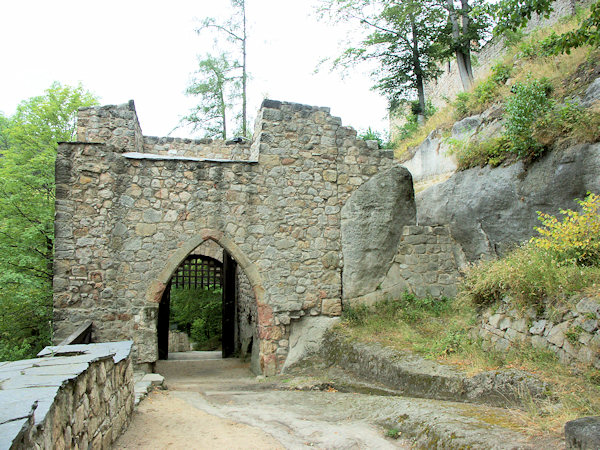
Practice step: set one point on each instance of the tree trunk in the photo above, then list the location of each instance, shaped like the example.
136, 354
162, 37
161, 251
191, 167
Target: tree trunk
418, 71
244, 74
466, 47
463, 61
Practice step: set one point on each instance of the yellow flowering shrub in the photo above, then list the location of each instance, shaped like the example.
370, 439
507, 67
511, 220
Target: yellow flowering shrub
575, 239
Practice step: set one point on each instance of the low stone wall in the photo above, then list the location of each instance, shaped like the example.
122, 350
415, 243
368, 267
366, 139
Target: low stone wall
572, 334
179, 342
76, 396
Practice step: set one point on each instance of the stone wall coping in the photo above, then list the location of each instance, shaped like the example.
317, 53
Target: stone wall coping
118, 350
137, 155
29, 387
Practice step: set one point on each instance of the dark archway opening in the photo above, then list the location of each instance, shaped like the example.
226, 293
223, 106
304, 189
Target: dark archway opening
202, 299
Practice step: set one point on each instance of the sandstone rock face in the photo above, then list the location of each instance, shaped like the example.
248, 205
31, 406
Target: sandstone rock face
491, 209
371, 225
430, 159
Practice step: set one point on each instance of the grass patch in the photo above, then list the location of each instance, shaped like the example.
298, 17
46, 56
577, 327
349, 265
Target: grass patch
442, 330
527, 276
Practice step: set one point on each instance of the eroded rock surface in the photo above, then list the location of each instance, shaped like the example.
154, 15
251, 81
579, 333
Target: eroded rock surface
490, 210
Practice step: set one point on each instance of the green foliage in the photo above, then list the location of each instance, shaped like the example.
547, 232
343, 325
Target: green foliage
484, 94
393, 433
234, 30
588, 33
411, 125
569, 121
373, 135
576, 238
529, 102
28, 143
401, 36
527, 276
198, 313
515, 14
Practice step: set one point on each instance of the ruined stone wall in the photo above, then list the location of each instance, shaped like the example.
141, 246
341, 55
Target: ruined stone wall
572, 334
126, 219
427, 262
197, 148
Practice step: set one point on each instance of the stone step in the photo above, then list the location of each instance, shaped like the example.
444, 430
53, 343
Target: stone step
146, 382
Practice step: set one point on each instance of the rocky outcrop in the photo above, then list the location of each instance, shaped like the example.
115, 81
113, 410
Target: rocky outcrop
491, 209
371, 226
434, 156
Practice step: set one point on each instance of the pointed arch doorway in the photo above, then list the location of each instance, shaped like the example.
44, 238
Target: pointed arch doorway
209, 267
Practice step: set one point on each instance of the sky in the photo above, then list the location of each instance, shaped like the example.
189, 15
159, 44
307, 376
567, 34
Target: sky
146, 50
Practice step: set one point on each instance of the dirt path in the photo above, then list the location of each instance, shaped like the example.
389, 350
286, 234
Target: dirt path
219, 404
165, 421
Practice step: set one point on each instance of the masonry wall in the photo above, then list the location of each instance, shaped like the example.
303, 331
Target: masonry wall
125, 219
573, 334
427, 263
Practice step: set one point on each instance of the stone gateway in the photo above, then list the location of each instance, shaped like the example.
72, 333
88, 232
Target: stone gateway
131, 208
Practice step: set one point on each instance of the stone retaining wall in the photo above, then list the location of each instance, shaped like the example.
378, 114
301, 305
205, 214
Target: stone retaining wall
572, 334
84, 400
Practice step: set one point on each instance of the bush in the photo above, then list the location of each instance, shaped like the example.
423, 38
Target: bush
479, 153
373, 135
411, 126
547, 266
567, 121
529, 102
575, 239
527, 276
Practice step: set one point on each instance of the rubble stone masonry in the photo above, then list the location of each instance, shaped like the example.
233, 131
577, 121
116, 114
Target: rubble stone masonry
129, 209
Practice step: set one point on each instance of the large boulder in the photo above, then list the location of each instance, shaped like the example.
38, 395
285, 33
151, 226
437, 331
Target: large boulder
490, 210
372, 221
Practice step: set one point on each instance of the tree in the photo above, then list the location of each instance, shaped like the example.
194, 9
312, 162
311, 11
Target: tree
467, 24
402, 39
236, 32
28, 143
215, 86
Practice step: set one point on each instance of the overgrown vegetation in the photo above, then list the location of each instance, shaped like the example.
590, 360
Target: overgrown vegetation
198, 313
563, 260
535, 89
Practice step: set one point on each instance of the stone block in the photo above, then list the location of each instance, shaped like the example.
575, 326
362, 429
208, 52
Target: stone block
556, 336
495, 320
331, 307
505, 323
538, 327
